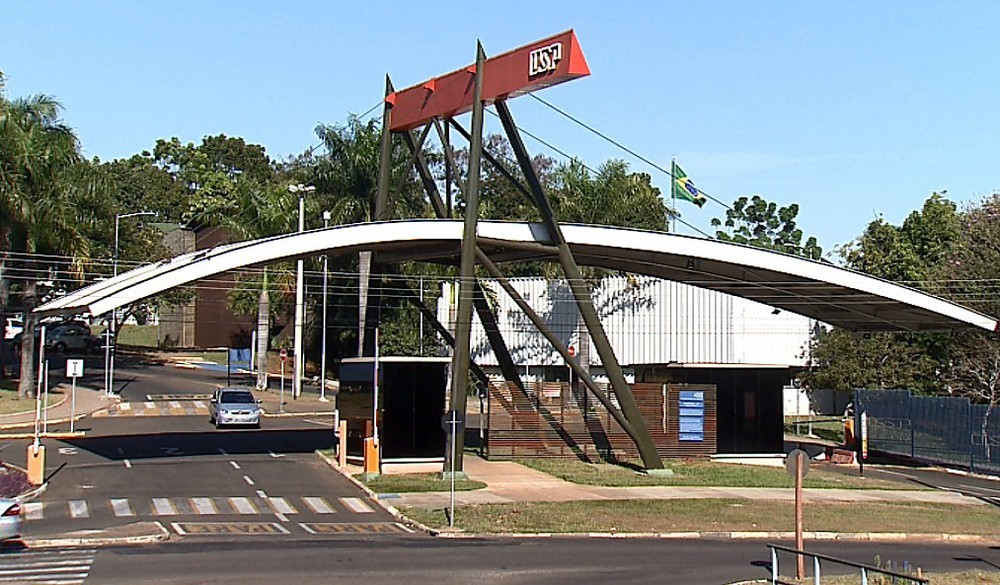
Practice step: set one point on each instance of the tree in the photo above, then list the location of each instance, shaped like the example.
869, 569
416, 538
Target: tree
50, 199
762, 224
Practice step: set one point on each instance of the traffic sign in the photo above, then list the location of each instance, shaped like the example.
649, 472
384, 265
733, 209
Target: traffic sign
792, 461
284, 354
571, 350
74, 368
453, 418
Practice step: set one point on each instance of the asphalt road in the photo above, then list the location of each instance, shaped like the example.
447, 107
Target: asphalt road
555, 561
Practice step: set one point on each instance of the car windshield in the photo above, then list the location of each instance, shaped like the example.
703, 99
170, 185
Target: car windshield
237, 398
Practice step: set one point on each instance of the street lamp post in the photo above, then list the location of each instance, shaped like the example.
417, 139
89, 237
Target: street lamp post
301, 190
322, 360
110, 346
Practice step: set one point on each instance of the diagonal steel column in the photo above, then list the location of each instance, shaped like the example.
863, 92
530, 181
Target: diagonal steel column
467, 269
643, 440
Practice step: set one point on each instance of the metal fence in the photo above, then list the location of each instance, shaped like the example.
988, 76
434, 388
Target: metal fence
944, 430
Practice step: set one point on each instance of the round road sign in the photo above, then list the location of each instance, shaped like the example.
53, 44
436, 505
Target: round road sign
571, 350
284, 354
792, 462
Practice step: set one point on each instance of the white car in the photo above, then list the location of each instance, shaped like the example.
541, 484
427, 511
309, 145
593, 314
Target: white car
234, 406
10, 519
12, 327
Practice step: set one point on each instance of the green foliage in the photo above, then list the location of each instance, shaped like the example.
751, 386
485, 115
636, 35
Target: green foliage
613, 196
762, 224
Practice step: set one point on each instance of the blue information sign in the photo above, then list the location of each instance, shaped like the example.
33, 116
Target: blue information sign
691, 416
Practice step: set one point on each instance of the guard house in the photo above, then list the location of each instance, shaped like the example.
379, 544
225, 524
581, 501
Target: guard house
411, 400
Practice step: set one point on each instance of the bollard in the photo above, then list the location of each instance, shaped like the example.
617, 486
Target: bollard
372, 453
342, 445
36, 464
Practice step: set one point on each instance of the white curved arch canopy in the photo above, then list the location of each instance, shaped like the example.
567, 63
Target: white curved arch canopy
834, 295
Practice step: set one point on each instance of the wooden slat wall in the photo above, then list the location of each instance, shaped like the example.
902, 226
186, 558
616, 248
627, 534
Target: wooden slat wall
549, 420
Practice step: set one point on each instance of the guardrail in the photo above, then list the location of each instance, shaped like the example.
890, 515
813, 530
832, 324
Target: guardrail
897, 578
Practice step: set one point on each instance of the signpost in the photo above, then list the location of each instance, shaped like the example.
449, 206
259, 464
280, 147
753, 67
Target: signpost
453, 422
797, 465
281, 395
74, 370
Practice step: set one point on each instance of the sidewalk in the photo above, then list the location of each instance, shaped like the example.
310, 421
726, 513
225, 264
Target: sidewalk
509, 482
88, 401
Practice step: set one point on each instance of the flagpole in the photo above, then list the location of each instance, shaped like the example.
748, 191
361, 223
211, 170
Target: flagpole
673, 199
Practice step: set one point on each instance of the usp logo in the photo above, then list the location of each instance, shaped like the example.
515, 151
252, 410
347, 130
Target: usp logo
544, 60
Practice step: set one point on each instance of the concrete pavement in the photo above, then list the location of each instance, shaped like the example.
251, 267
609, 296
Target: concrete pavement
88, 401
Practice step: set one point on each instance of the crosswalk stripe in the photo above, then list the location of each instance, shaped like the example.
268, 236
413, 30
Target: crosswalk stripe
150, 405
121, 507
281, 506
175, 404
204, 506
64, 567
78, 509
33, 510
357, 505
163, 507
199, 404
318, 505
243, 506
124, 406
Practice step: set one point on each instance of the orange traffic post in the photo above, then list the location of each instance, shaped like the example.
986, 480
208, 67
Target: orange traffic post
342, 445
36, 464
372, 454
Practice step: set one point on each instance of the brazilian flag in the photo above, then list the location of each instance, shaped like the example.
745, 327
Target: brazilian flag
683, 188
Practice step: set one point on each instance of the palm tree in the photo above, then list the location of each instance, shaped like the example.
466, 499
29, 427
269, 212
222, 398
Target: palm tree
49, 198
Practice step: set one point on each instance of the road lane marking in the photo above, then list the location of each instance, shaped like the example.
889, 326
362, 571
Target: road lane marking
128, 464
247, 479
318, 505
243, 506
235, 465
33, 510
204, 506
199, 404
233, 528
275, 455
175, 404
223, 451
354, 528
78, 509
150, 405
164, 507
261, 494
125, 406
357, 505
281, 516
121, 507
281, 506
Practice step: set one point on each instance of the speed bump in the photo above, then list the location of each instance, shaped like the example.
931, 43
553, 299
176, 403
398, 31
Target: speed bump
228, 528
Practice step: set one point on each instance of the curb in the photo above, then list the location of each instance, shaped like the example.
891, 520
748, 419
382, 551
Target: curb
161, 535
32, 411
54, 435
266, 414
33, 492
738, 535
390, 509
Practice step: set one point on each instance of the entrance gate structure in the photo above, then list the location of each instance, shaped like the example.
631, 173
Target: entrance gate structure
409, 114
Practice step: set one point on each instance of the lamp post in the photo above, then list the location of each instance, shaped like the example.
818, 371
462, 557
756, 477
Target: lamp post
301, 190
110, 346
322, 360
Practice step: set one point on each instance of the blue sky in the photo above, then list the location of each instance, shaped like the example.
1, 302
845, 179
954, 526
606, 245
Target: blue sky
852, 109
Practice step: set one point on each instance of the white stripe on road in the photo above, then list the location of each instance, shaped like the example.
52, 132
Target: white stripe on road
247, 479
121, 507
262, 494
281, 506
128, 463
164, 507
150, 405
204, 506
199, 404
175, 404
78, 509
33, 510
243, 505
235, 465
357, 505
125, 406
319, 505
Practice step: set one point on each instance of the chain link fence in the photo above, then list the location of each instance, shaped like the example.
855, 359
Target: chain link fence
943, 430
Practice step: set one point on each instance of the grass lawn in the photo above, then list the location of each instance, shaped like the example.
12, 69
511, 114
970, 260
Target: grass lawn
417, 482
701, 473
714, 515
964, 578
824, 428
11, 403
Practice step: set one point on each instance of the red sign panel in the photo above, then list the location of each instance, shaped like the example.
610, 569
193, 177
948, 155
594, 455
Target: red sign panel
543, 63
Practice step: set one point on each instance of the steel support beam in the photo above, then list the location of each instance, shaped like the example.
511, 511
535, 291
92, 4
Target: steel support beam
581, 292
467, 268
